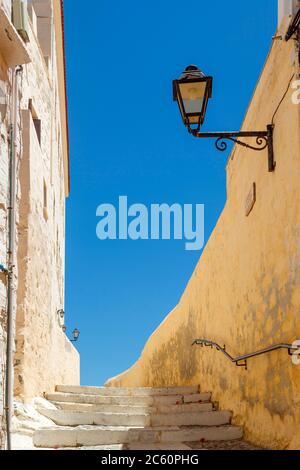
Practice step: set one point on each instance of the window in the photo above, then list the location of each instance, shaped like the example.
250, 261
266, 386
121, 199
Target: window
36, 121
44, 27
38, 128
20, 18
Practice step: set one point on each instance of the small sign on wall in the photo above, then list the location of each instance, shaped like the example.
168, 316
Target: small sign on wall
250, 200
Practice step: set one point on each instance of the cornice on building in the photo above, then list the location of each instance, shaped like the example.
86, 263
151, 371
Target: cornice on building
58, 12
12, 47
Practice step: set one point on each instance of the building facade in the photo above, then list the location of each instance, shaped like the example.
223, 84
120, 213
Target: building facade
245, 291
34, 152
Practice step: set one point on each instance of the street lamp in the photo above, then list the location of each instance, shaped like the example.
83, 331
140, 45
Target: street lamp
192, 91
61, 317
75, 334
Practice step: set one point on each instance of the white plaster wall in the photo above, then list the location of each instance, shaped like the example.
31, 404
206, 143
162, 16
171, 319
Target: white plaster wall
286, 8
6, 5
4, 166
45, 357
2, 371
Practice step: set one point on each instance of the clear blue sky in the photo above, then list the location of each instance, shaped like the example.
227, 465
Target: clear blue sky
126, 138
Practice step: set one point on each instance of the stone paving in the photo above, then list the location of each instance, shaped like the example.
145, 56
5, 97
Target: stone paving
223, 445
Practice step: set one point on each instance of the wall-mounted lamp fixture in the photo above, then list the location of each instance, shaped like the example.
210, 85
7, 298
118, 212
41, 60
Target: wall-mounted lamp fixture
75, 334
192, 92
61, 318
61, 322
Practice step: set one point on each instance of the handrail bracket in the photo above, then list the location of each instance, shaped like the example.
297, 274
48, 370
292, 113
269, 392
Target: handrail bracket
242, 364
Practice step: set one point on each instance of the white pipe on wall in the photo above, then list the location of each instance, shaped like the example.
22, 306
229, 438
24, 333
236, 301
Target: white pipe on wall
11, 290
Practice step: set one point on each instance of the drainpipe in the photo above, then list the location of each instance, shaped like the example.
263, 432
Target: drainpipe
11, 291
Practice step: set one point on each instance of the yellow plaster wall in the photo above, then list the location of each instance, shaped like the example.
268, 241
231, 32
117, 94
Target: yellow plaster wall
245, 290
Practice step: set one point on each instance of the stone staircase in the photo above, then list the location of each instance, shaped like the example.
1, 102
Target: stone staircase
137, 418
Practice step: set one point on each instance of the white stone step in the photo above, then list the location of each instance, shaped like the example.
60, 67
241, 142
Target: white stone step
99, 435
206, 433
76, 418
129, 400
142, 391
184, 408
206, 418
195, 398
105, 447
103, 408
158, 446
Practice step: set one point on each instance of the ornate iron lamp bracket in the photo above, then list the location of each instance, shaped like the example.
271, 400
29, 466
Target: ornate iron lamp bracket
264, 139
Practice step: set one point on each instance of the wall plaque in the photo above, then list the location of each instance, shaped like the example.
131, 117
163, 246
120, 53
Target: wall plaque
250, 200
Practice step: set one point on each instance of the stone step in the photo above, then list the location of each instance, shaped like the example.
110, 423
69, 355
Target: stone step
186, 407
98, 435
206, 418
158, 446
195, 398
129, 400
134, 392
76, 418
183, 408
104, 447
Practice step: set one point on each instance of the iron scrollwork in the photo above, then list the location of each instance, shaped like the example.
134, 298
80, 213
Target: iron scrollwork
264, 139
222, 145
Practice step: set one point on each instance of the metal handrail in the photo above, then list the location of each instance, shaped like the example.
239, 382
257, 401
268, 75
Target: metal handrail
241, 361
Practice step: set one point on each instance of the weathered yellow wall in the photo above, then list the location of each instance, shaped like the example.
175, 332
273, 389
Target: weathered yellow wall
245, 290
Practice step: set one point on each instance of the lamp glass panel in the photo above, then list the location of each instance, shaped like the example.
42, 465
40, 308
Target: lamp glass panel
193, 94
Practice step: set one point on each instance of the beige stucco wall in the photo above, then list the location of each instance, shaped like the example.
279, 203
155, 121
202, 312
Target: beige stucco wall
245, 290
44, 357
4, 155
8, 55
12, 50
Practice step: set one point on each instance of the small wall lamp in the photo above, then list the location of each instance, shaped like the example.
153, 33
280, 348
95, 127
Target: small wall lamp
61, 318
75, 334
192, 91
61, 322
